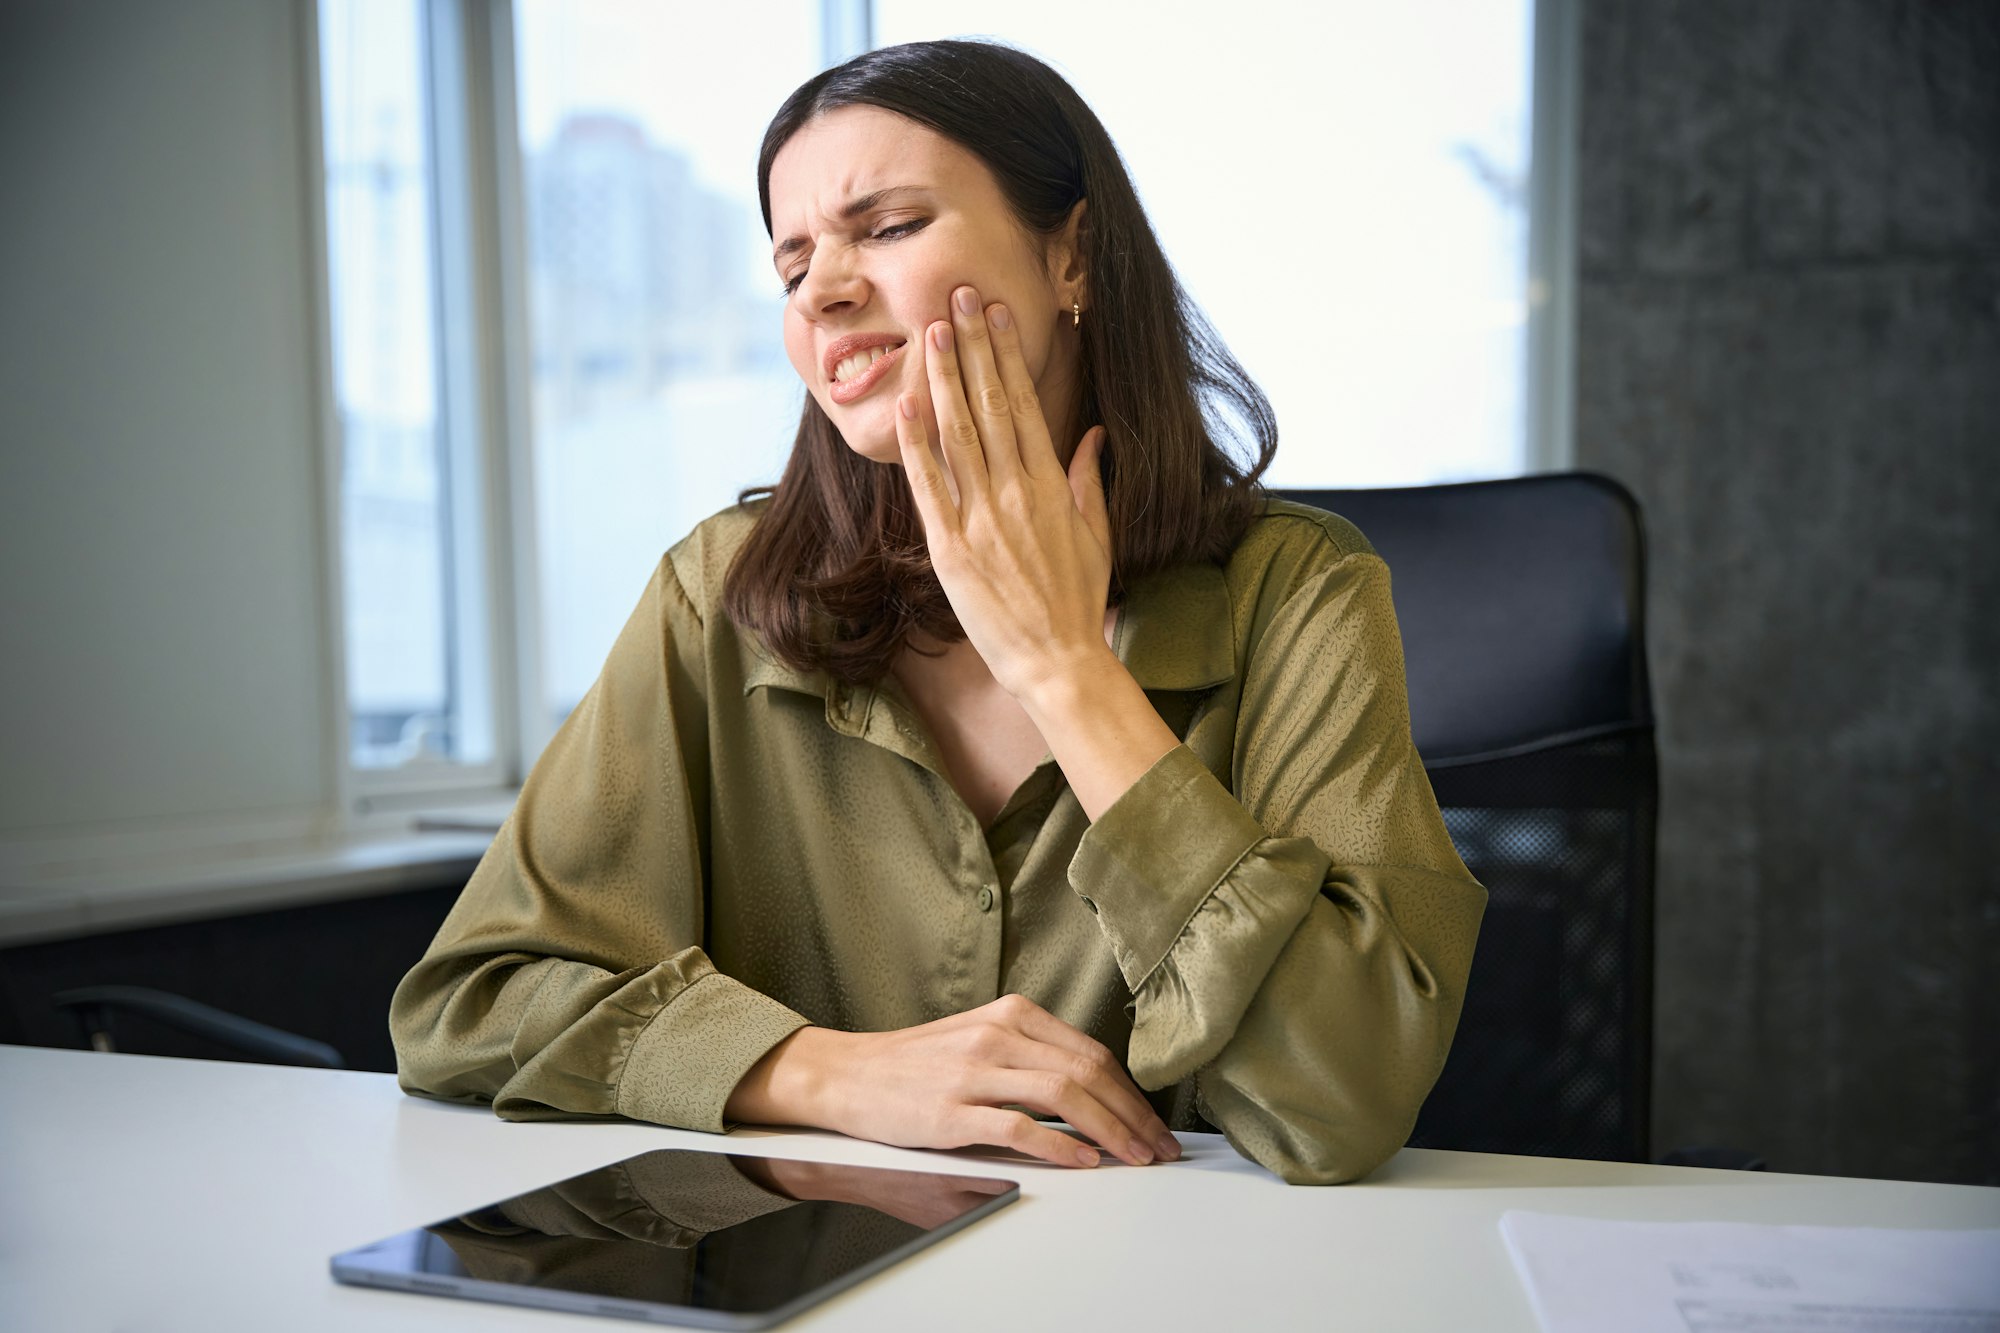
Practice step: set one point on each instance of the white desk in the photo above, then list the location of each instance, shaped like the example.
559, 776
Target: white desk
139, 1193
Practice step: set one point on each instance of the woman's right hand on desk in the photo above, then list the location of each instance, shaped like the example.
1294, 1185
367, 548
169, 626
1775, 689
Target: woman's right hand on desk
946, 1084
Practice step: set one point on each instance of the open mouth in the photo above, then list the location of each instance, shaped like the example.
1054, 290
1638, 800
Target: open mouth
856, 374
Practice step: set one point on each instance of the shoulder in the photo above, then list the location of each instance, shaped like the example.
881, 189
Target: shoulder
1287, 521
1290, 545
700, 561
1306, 586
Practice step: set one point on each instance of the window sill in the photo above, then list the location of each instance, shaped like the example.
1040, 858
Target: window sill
77, 897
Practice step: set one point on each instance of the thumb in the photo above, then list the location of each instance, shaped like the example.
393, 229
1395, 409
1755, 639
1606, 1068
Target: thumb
1086, 484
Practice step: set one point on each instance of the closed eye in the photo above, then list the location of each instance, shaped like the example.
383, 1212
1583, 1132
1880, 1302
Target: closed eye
899, 229
893, 232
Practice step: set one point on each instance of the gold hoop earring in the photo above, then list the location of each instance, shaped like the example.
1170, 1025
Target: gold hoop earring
1076, 314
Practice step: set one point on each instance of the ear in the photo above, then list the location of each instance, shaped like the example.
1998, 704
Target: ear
1068, 256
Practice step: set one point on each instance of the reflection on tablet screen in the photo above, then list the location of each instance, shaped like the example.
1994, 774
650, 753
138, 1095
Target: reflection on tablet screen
709, 1239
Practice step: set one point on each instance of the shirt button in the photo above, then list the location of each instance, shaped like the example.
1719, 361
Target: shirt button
985, 899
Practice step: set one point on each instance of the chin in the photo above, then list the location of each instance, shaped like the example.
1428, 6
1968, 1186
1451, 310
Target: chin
868, 436
876, 450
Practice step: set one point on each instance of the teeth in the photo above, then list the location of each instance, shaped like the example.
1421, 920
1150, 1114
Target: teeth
859, 362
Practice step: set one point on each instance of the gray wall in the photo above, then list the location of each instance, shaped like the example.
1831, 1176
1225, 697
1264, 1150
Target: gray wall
1789, 334
165, 654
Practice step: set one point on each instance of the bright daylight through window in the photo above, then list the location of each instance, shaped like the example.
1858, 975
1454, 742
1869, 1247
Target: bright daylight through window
1343, 188
661, 387
1346, 197
414, 700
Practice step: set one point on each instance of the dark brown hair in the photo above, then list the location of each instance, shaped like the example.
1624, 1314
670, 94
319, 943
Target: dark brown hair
834, 575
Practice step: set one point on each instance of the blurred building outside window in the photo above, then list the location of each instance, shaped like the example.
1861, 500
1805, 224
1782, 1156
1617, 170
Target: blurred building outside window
660, 383
406, 668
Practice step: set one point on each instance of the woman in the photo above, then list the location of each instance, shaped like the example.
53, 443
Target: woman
1015, 752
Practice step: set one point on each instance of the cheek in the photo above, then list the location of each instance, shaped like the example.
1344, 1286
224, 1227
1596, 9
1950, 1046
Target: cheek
798, 345
1035, 352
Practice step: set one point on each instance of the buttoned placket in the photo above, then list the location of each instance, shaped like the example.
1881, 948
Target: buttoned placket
876, 714
1174, 633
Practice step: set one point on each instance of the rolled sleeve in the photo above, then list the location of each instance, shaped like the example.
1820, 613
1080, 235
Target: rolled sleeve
1153, 859
570, 979
1297, 941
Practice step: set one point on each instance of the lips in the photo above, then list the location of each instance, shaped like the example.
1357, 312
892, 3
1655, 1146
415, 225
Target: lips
846, 391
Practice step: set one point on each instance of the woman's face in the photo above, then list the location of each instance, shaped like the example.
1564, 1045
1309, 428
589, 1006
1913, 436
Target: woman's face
877, 221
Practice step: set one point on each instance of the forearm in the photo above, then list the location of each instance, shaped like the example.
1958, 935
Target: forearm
1313, 1002
1325, 1071
557, 1037
1100, 728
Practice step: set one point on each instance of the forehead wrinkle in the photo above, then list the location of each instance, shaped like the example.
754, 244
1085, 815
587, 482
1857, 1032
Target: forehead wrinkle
856, 150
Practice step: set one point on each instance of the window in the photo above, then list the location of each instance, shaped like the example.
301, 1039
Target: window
660, 384
417, 659
1342, 188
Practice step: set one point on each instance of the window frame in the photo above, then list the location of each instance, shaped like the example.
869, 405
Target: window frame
1554, 93
482, 604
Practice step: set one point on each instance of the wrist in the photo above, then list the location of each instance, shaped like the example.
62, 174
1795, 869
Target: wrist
1074, 687
790, 1085
1102, 730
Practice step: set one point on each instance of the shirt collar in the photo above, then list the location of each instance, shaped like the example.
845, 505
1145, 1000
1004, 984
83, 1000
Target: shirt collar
1175, 632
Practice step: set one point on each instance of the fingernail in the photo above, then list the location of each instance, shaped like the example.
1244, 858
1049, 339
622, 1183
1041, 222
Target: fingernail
1086, 1156
1169, 1148
907, 405
999, 317
941, 337
1139, 1150
967, 301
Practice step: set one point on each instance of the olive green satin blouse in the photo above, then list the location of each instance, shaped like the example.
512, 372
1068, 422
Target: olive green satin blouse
1271, 926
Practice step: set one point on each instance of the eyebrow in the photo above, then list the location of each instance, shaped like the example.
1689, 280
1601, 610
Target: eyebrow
854, 208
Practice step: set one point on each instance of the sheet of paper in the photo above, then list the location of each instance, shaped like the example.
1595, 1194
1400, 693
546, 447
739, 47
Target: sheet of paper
1585, 1275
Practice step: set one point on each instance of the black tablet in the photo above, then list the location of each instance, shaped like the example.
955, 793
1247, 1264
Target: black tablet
715, 1240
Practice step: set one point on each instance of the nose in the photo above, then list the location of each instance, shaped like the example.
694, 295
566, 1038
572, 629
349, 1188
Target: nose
833, 284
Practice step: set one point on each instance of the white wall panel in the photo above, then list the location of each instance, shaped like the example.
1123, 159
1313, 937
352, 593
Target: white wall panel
159, 515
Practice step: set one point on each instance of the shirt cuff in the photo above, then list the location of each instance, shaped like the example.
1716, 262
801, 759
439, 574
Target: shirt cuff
683, 1065
1149, 862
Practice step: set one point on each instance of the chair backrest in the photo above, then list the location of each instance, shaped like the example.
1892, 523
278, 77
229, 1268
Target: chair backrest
1521, 605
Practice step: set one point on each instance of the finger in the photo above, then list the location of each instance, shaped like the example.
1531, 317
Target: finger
962, 452
983, 388
1031, 429
1086, 485
1025, 1134
1110, 1078
1100, 1074
1062, 1096
1139, 1135
928, 485
1031, 1020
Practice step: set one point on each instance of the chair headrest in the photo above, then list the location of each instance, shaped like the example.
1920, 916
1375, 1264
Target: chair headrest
1521, 605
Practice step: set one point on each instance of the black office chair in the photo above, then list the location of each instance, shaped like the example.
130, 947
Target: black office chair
241, 1037
1522, 611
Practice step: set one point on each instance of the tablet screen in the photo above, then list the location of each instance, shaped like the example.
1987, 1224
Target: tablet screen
714, 1240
